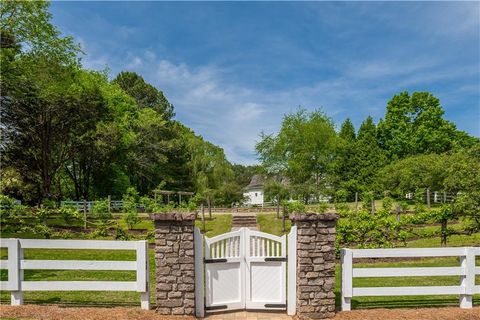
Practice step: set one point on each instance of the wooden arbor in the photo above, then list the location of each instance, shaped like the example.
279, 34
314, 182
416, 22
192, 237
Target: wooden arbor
168, 193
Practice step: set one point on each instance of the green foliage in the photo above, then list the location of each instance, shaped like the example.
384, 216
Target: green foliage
228, 194
322, 207
467, 205
341, 195
130, 199
69, 214
121, 234
146, 95
294, 207
364, 230
442, 215
276, 191
100, 210
149, 204
131, 218
414, 125
102, 229
301, 150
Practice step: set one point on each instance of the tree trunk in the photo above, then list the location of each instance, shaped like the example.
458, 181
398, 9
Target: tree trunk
356, 202
428, 198
283, 219
444, 233
278, 207
209, 208
203, 217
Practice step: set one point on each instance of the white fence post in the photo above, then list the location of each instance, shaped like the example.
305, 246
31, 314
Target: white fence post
347, 278
199, 283
467, 281
15, 273
143, 274
292, 272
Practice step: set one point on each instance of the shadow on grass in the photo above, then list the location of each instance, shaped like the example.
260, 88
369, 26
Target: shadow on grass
402, 302
57, 301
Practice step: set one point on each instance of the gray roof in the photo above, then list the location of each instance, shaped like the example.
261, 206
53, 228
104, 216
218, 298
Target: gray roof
256, 182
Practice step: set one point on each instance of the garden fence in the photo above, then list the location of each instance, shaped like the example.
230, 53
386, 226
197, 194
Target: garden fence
466, 270
16, 264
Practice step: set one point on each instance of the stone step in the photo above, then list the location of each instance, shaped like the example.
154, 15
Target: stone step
244, 221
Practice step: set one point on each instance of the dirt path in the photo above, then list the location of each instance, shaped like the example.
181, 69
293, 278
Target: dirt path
59, 313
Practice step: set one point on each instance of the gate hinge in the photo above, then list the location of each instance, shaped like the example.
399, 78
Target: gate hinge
275, 305
216, 307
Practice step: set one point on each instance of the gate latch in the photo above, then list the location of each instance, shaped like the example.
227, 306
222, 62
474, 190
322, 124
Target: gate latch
276, 259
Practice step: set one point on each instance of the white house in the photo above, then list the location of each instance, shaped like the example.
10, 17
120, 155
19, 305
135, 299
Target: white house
254, 191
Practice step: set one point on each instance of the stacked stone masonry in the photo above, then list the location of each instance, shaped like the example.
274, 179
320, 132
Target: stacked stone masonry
175, 263
315, 264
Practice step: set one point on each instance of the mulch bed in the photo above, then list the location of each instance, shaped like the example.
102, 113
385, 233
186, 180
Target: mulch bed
63, 313
451, 313
72, 313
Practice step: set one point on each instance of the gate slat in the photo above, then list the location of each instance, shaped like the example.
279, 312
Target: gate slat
251, 278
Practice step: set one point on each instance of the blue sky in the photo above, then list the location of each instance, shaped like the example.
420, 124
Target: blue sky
234, 69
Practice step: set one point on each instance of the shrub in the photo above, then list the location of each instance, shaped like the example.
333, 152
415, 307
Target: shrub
130, 200
341, 195
322, 207
102, 230
294, 207
148, 203
69, 214
121, 234
131, 218
100, 210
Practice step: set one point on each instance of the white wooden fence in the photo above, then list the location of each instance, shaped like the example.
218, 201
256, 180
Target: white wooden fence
16, 264
115, 205
466, 270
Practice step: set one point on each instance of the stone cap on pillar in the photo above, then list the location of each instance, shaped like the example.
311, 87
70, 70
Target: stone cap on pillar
313, 216
173, 217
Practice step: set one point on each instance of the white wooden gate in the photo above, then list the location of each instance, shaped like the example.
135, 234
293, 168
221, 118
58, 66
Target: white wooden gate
245, 269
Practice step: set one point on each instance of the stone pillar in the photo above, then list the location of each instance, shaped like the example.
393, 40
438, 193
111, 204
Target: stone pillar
315, 264
175, 263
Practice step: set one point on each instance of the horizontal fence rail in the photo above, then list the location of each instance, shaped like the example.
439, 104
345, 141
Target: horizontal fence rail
466, 271
16, 264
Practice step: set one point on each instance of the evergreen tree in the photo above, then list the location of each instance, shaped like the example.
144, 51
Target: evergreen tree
369, 157
345, 166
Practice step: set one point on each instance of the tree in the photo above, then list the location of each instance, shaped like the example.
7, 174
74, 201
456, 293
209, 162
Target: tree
243, 174
146, 95
369, 157
277, 191
26, 25
345, 166
38, 72
302, 150
414, 124
347, 131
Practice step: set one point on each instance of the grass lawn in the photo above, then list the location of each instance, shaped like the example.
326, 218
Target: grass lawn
405, 301
270, 224
220, 223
